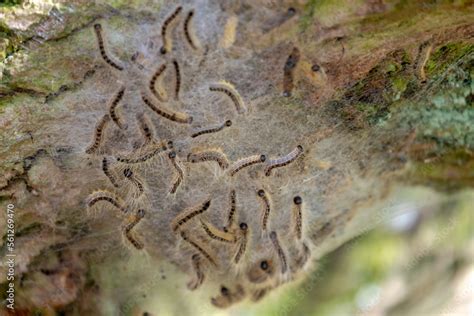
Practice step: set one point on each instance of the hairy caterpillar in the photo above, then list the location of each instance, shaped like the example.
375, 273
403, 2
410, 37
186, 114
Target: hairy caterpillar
105, 169
210, 155
266, 207
165, 32
297, 216
188, 34
128, 173
189, 213
144, 157
261, 272
228, 297
198, 247
243, 242
179, 169
279, 250
213, 130
288, 71
214, 233
106, 196
196, 264
168, 114
245, 162
145, 128
229, 90
153, 80
118, 97
177, 86
303, 257
103, 53
99, 129
283, 161
127, 229
258, 294
233, 207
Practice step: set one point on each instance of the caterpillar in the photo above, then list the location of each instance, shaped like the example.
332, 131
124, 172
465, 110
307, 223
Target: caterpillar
297, 216
179, 169
301, 260
188, 214
260, 272
144, 157
103, 53
128, 173
228, 297
233, 207
196, 264
245, 162
165, 33
177, 86
145, 128
284, 160
427, 48
243, 242
106, 196
198, 247
153, 80
257, 295
210, 155
288, 71
229, 90
177, 117
105, 169
99, 129
188, 34
266, 205
118, 97
214, 233
227, 123
127, 229
279, 250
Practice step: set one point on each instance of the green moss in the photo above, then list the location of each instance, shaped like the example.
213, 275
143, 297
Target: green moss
10, 3
446, 55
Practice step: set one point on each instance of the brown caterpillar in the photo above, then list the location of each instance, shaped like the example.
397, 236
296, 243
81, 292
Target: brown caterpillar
177, 117
297, 216
427, 48
229, 90
99, 129
243, 242
145, 128
196, 263
266, 205
233, 207
228, 297
216, 234
165, 34
128, 173
283, 161
179, 169
105, 169
288, 71
153, 80
279, 250
127, 229
260, 272
245, 162
106, 196
213, 130
188, 214
199, 248
144, 157
118, 97
187, 33
103, 53
301, 260
210, 155
177, 86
